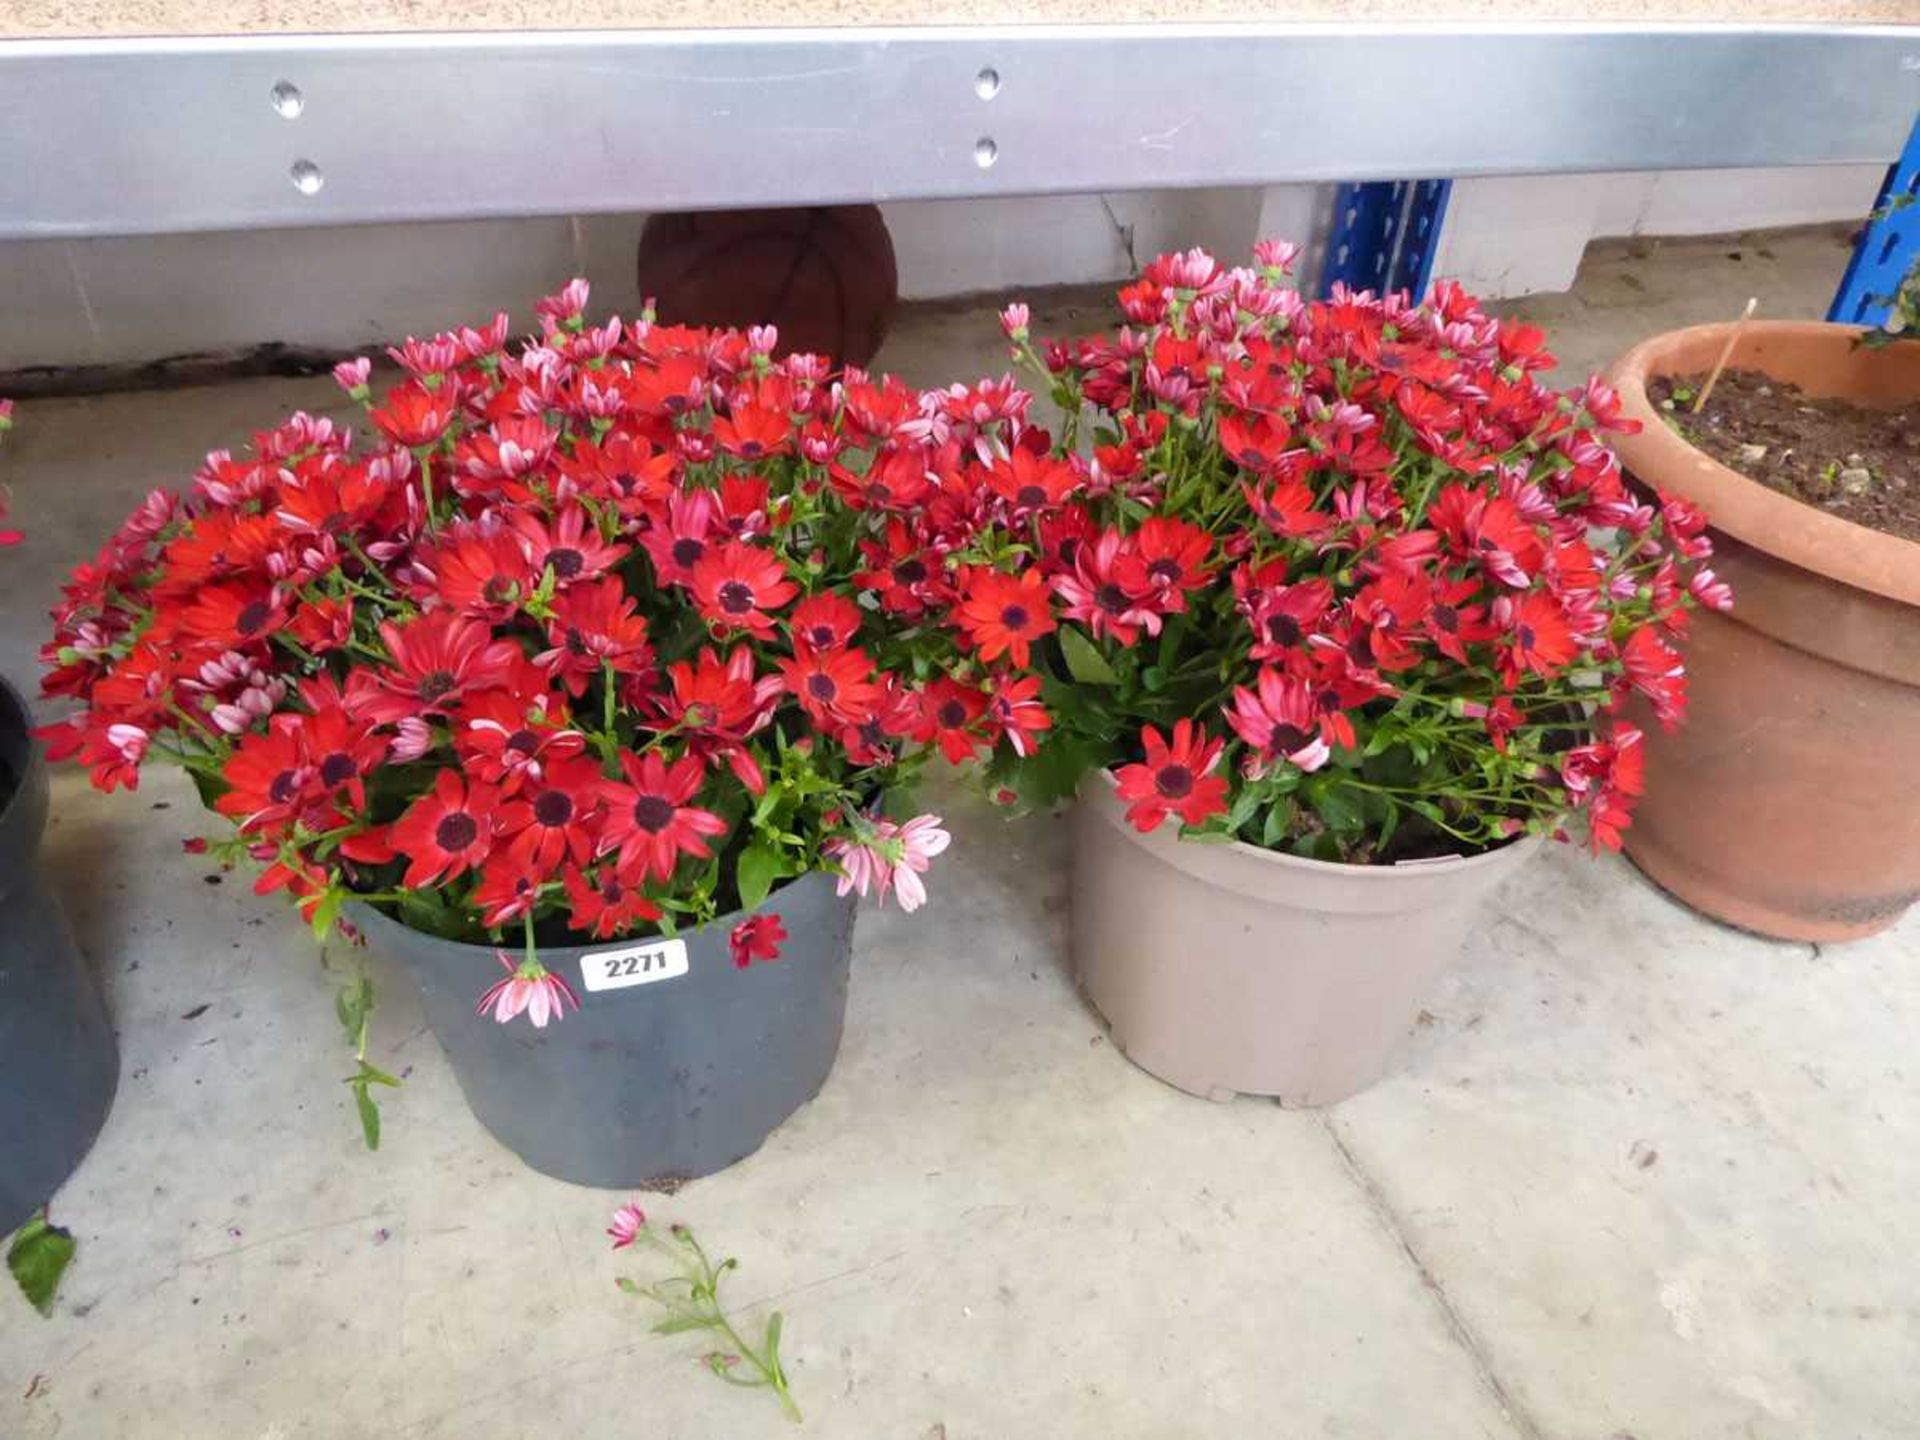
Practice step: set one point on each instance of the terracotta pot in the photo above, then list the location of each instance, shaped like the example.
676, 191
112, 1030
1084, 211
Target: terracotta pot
1789, 803
1227, 969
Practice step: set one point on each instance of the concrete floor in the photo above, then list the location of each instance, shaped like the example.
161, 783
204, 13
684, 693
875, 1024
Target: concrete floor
1634, 1177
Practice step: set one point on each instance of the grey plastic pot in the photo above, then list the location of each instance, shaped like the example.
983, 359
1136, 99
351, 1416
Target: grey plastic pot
662, 1079
59, 1064
1227, 969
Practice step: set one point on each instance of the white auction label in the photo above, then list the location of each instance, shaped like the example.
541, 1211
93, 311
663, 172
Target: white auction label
636, 965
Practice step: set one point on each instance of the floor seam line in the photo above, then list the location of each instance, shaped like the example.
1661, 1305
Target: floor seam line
1456, 1323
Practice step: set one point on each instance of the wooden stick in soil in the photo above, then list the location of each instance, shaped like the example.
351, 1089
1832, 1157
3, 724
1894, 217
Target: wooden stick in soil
1726, 353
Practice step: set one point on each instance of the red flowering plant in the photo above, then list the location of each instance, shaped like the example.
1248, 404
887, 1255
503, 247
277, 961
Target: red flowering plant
1342, 579
599, 636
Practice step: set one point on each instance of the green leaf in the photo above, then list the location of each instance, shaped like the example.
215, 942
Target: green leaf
369, 1113
774, 1322
760, 865
38, 1257
1337, 808
327, 910
678, 1324
1084, 661
1279, 822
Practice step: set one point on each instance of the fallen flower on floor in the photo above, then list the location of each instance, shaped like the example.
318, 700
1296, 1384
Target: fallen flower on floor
692, 1302
628, 1221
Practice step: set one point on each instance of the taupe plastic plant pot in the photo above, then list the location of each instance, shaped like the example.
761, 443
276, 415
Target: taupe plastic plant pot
1228, 970
1789, 803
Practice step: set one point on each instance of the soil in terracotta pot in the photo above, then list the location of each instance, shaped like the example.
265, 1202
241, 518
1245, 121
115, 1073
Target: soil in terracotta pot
1862, 465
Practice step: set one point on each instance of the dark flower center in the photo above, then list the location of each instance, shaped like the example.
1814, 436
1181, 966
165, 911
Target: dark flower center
523, 742
337, 768
752, 449
435, 683
1527, 637
456, 831
1447, 618
1288, 738
1174, 781
1112, 599
822, 687
1327, 701
736, 597
688, 552
1165, 570
1360, 648
1015, 617
910, 572
285, 786
878, 493
653, 813
553, 809
1031, 496
254, 617
499, 590
822, 637
952, 715
576, 642
1283, 629
566, 563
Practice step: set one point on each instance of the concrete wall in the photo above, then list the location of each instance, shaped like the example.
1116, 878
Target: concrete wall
113, 300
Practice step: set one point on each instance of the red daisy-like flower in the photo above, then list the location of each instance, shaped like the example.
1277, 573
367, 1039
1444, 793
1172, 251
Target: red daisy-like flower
508, 889
753, 432
950, 713
1166, 557
678, 544
717, 704
895, 480
1176, 779
594, 626
1288, 508
415, 415
1279, 720
555, 818
1607, 777
834, 687
1454, 622
1655, 670
482, 573
439, 659
736, 585
1256, 442
906, 573
1031, 483
232, 615
569, 545
648, 820
509, 739
1107, 597
448, 831
1005, 614
1537, 640
1285, 617
605, 904
824, 622
758, 937
270, 778
1015, 708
